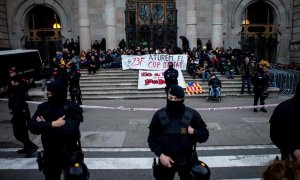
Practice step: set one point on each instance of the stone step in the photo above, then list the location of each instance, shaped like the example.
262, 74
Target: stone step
152, 91
152, 96
135, 83
124, 78
101, 87
119, 84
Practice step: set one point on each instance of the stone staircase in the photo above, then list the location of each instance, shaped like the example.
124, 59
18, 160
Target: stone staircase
119, 84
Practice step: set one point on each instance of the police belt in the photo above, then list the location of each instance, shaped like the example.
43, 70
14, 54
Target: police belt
183, 158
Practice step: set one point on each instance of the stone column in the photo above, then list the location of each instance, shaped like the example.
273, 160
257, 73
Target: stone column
283, 51
84, 25
191, 23
110, 24
217, 34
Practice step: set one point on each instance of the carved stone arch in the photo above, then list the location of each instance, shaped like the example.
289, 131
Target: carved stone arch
282, 14
20, 19
278, 6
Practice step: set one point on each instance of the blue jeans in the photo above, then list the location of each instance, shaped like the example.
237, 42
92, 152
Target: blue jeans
246, 80
212, 92
204, 75
229, 74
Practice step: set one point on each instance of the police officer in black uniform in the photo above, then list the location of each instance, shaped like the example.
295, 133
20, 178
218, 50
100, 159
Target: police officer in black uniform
21, 116
261, 84
285, 127
74, 86
170, 76
58, 121
174, 132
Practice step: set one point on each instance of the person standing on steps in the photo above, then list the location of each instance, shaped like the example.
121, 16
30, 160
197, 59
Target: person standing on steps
246, 71
170, 76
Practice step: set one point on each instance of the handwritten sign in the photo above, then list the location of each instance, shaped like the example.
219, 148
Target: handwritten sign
154, 61
155, 79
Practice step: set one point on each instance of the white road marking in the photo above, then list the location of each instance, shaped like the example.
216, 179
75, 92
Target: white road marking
146, 163
256, 120
204, 148
243, 179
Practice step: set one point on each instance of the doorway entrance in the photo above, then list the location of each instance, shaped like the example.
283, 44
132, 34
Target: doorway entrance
151, 23
44, 32
259, 32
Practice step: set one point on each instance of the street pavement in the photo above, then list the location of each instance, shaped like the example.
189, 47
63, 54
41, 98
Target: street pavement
114, 137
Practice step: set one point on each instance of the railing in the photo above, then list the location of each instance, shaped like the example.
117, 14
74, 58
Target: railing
285, 80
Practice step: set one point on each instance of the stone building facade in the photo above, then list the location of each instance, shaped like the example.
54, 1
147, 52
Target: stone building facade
216, 20
295, 39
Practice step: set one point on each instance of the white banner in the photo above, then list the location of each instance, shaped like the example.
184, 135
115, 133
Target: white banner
155, 79
154, 61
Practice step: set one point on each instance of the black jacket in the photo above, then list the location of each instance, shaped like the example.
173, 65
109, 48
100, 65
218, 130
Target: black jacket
74, 78
17, 100
260, 81
285, 126
215, 83
156, 131
171, 76
57, 140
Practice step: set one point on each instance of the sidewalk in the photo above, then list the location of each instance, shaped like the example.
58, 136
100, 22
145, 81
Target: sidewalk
106, 124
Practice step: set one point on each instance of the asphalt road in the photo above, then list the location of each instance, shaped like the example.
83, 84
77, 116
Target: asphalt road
114, 135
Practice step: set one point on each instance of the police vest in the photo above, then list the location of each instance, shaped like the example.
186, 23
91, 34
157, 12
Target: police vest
175, 139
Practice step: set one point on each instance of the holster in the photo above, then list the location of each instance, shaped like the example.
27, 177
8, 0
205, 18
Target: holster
40, 160
155, 168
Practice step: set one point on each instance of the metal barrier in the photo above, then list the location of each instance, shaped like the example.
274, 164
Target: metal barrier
285, 80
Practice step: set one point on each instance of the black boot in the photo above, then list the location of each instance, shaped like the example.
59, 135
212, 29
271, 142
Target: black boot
255, 110
249, 90
31, 151
263, 110
22, 151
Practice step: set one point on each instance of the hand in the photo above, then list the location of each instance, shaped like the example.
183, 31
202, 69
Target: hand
191, 130
297, 153
59, 122
40, 119
166, 160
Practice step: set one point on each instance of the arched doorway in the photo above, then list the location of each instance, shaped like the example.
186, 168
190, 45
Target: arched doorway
151, 23
259, 31
44, 31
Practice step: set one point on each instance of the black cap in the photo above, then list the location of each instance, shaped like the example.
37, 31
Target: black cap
177, 91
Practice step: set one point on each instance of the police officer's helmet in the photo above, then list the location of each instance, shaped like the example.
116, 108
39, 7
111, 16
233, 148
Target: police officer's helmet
200, 171
77, 171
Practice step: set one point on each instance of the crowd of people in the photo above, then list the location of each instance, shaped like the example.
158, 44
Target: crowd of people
203, 61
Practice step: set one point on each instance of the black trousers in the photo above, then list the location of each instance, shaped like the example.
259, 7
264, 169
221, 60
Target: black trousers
53, 170
20, 129
165, 173
76, 96
258, 96
181, 165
